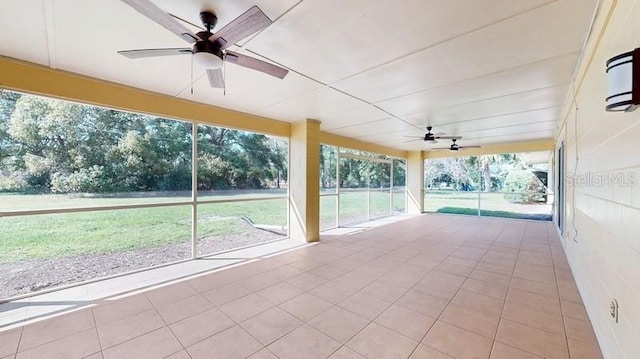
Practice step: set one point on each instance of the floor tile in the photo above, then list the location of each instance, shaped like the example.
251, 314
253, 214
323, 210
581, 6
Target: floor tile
385, 291
424, 352
305, 306
534, 318
333, 292
364, 305
179, 355
457, 342
496, 290
128, 328
307, 281
55, 328
481, 322
407, 322
270, 325
184, 308
75, 346
478, 302
578, 330
304, 342
263, 354
574, 310
233, 343
9, 342
339, 323
109, 311
542, 303
259, 282
201, 326
157, 344
244, 308
535, 287
532, 340
280, 293
225, 294
376, 341
170, 293
503, 351
583, 350
346, 353
422, 303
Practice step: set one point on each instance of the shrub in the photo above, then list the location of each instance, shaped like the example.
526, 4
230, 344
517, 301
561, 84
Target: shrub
523, 181
12, 182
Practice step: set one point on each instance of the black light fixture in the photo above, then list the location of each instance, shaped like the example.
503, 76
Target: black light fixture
623, 76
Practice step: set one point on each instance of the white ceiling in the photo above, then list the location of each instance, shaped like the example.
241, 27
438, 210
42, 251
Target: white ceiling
493, 71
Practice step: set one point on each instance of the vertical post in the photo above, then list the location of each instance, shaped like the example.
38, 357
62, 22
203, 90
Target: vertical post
479, 186
337, 187
194, 189
415, 182
391, 188
368, 201
304, 189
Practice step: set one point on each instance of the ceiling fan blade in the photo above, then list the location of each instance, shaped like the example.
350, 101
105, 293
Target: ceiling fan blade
250, 22
255, 64
153, 12
469, 146
136, 54
420, 137
447, 137
409, 141
216, 80
187, 22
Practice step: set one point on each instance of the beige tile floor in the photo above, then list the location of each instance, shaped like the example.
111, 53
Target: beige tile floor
434, 286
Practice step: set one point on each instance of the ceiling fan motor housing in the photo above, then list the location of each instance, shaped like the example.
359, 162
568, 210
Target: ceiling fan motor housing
209, 19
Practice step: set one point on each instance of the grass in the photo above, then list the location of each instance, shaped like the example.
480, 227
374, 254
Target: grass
492, 205
57, 235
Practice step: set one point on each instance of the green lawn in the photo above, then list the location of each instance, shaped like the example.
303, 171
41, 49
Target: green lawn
56, 235
491, 204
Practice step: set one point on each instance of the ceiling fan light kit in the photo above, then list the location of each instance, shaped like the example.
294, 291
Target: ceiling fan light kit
623, 77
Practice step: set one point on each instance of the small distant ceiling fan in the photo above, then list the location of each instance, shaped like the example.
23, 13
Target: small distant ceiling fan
433, 137
209, 49
454, 146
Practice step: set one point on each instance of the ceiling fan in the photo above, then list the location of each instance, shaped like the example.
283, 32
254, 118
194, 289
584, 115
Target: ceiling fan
209, 50
433, 137
454, 146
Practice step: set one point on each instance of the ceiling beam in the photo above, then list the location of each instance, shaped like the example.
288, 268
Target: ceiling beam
515, 147
35, 79
346, 142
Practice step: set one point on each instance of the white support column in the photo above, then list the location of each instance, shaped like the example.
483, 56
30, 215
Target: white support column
304, 185
415, 182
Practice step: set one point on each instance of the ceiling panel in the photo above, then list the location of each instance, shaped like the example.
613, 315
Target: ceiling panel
380, 127
362, 114
483, 123
547, 98
537, 75
332, 39
492, 49
316, 104
27, 18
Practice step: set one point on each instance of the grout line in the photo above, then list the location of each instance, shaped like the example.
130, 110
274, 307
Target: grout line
504, 302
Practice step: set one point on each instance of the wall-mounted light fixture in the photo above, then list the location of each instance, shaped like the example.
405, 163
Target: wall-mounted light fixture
623, 73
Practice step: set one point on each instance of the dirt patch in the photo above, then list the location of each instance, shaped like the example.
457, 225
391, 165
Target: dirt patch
34, 275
